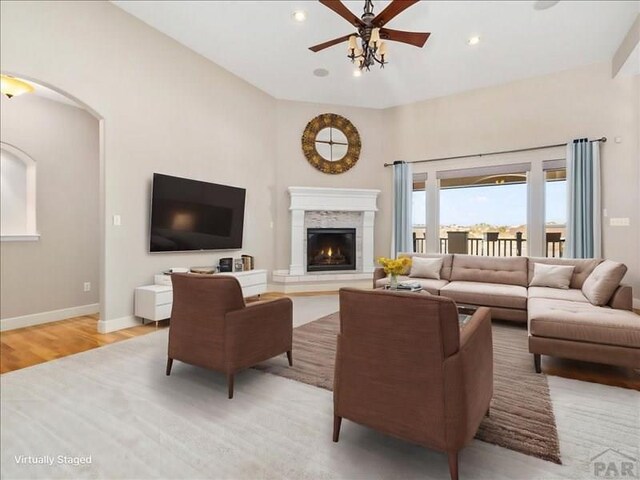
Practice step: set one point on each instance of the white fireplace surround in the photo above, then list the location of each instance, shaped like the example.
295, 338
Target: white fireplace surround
320, 199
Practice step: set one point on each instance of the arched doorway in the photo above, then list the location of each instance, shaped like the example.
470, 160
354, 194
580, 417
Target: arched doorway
45, 92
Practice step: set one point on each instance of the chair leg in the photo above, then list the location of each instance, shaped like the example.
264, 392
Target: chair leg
230, 384
290, 358
453, 465
536, 362
169, 365
337, 421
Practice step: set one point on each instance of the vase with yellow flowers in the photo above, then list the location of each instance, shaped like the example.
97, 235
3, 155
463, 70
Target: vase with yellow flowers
394, 267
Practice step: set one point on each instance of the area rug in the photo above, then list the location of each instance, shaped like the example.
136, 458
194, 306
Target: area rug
521, 411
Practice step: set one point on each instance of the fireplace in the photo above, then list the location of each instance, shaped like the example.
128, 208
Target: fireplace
331, 249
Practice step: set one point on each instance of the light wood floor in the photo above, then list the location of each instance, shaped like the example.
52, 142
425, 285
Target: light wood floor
29, 346
24, 347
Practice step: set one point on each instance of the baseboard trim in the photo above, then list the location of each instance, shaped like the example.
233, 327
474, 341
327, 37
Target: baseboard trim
47, 317
113, 324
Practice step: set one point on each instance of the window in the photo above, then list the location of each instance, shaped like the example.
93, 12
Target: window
483, 211
18, 194
419, 212
555, 207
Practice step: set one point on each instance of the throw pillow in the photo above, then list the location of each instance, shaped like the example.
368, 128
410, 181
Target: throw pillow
554, 276
422, 267
603, 281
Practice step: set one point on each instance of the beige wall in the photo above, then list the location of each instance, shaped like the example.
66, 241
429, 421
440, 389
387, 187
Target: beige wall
46, 275
293, 169
165, 109
583, 102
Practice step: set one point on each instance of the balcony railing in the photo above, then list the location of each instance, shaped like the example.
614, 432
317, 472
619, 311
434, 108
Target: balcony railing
499, 247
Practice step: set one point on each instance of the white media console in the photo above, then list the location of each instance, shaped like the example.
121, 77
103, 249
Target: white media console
153, 302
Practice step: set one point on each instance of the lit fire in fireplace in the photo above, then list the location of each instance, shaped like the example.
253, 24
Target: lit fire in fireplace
329, 257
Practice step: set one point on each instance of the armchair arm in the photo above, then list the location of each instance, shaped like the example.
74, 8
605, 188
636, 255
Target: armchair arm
378, 274
479, 320
258, 332
469, 380
622, 298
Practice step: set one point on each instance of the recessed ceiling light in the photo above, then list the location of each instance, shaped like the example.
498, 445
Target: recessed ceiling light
473, 40
321, 72
357, 72
299, 15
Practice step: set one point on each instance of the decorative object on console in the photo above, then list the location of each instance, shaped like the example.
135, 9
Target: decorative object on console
371, 32
226, 264
179, 270
203, 270
248, 262
238, 265
331, 143
393, 268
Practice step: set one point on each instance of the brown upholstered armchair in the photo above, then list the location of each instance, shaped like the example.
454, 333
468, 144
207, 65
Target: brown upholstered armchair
213, 328
404, 367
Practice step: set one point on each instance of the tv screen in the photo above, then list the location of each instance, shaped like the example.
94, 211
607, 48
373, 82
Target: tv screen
192, 215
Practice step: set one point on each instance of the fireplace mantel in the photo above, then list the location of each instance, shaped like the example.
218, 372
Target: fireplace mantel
305, 199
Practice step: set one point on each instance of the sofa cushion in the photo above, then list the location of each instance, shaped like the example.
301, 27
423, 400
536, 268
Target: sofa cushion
603, 281
583, 267
486, 294
508, 271
583, 322
572, 294
554, 276
447, 261
429, 284
425, 267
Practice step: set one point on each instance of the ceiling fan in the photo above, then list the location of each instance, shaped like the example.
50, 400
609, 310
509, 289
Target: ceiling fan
372, 33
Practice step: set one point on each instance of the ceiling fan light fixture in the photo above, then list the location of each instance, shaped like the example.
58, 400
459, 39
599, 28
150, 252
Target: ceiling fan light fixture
12, 87
299, 15
352, 42
366, 47
374, 40
473, 40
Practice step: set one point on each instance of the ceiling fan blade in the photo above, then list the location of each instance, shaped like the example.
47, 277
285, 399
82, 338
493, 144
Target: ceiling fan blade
394, 8
339, 7
330, 43
412, 38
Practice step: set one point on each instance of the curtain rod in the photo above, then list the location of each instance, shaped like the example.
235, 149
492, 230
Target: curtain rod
517, 150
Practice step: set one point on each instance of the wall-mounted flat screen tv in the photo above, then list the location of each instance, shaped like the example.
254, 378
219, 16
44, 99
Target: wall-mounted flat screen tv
193, 215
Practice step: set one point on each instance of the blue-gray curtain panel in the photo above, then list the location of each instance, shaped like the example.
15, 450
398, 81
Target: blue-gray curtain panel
584, 228
402, 200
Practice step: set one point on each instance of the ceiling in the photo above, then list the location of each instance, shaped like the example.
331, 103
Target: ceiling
261, 42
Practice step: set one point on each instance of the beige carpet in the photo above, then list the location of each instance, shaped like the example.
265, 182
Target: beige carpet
521, 411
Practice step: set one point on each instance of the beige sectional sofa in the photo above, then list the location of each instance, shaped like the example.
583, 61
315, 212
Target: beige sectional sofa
561, 322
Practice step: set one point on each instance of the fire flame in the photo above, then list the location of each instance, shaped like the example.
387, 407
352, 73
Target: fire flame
330, 252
